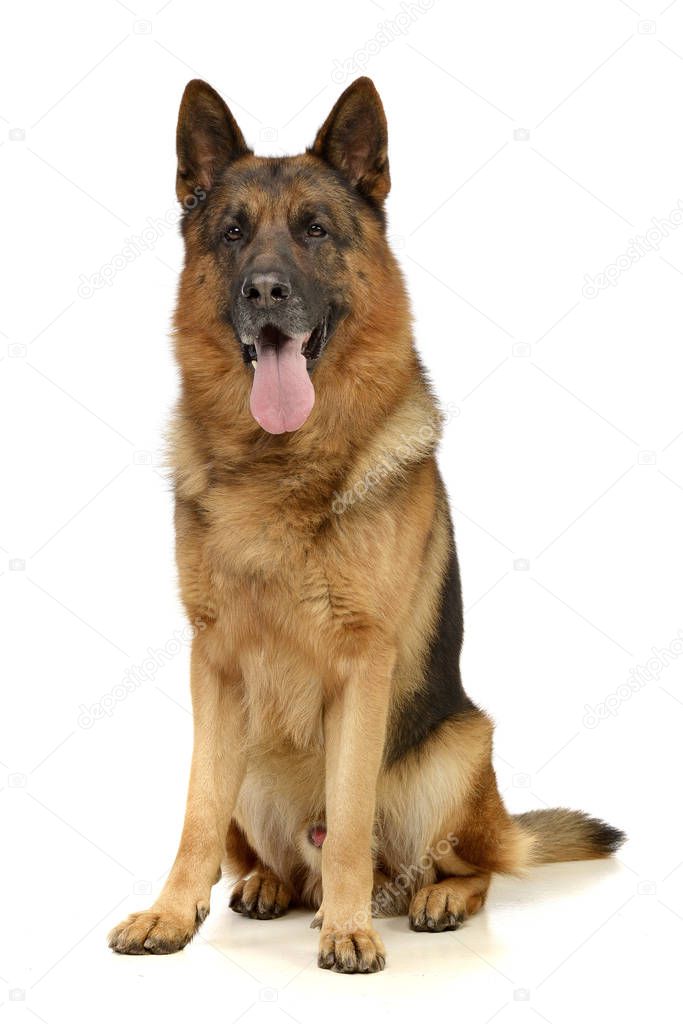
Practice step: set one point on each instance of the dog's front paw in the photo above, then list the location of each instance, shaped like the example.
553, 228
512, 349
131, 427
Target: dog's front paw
351, 952
156, 931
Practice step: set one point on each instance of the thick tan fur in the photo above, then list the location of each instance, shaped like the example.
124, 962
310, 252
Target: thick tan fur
313, 564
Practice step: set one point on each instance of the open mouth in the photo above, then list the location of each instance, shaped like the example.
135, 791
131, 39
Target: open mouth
271, 335
282, 393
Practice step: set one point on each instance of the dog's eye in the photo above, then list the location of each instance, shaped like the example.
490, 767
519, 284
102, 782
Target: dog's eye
316, 231
233, 233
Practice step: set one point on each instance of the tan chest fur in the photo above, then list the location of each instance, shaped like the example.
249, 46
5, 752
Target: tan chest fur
293, 602
296, 588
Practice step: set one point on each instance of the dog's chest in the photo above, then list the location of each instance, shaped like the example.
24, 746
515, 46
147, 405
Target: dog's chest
284, 697
280, 608
278, 557
283, 633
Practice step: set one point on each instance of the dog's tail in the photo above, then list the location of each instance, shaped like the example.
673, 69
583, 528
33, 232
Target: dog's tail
558, 834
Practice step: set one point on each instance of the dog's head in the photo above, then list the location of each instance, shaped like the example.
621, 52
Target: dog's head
278, 248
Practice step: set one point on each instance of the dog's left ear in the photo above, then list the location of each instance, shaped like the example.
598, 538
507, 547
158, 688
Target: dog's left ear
354, 140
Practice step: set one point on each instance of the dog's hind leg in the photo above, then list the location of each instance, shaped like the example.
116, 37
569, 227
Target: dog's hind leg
444, 905
259, 893
262, 895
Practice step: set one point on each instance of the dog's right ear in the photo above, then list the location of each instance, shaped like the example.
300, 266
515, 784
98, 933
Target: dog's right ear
208, 138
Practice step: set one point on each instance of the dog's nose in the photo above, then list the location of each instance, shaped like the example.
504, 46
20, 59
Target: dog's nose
266, 289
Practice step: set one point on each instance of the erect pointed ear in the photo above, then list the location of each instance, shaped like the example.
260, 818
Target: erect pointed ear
207, 139
354, 140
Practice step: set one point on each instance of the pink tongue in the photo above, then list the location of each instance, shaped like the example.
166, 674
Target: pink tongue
282, 394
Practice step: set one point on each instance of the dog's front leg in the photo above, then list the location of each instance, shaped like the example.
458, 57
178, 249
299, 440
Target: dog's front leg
355, 728
215, 778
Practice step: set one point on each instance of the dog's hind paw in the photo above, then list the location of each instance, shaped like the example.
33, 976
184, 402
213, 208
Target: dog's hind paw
262, 896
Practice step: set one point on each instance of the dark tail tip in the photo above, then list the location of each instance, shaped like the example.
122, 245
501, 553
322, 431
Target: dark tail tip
560, 834
606, 837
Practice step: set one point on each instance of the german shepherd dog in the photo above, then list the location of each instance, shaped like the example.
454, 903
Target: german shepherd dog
338, 763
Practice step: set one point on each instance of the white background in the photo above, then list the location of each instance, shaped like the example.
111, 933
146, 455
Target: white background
563, 458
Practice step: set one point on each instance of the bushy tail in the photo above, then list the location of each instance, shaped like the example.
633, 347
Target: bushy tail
559, 834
